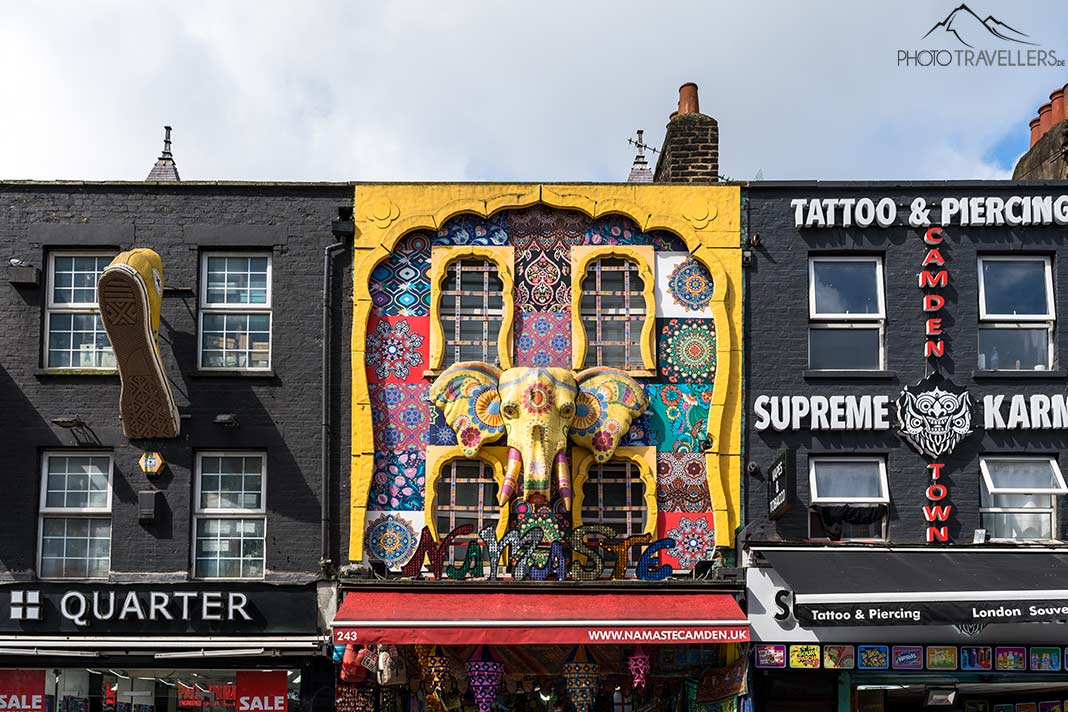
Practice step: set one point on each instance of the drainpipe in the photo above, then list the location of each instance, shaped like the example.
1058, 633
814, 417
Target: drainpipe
343, 228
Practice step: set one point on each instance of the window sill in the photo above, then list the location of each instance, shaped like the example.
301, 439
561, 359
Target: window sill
1056, 373
78, 372
268, 374
868, 375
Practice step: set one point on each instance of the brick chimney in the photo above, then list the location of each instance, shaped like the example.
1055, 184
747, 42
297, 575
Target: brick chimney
690, 153
1047, 158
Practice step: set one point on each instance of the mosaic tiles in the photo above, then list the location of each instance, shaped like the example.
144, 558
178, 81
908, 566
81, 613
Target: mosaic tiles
398, 482
400, 286
681, 482
401, 415
474, 230
687, 350
543, 339
397, 348
694, 535
684, 287
679, 415
393, 537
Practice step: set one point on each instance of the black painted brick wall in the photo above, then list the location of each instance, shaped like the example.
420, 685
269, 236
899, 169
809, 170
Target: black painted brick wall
279, 414
776, 304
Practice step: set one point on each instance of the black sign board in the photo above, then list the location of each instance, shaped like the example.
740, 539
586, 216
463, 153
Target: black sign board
782, 484
158, 609
932, 612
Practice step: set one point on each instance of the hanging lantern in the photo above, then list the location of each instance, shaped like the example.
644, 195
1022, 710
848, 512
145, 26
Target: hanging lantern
484, 675
639, 664
437, 664
580, 677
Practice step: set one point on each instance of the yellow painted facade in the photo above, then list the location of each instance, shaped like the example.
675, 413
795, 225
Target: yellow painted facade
706, 218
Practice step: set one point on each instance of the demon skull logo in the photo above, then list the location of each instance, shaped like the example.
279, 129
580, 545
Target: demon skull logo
933, 420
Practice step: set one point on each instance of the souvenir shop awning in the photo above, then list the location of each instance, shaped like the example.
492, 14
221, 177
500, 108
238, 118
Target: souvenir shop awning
861, 587
532, 617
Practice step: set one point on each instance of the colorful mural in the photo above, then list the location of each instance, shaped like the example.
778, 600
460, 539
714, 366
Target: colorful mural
682, 404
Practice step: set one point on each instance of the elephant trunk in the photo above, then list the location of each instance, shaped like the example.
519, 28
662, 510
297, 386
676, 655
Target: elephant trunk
563, 478
511, 476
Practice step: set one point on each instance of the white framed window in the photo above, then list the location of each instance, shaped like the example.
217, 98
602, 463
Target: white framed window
848, 480
847, 313
75, 514
1019, 497
74, 331
230, 515
614, 495
235, 311
466, 494
1016, 312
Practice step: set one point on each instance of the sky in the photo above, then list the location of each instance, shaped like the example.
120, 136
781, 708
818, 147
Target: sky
348, 90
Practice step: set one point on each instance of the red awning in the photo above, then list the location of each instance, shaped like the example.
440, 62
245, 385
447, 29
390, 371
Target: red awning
538, 618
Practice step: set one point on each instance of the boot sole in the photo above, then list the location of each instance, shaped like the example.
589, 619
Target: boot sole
146, 404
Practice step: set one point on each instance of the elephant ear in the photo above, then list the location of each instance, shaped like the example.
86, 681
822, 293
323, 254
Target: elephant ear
467, 394
608, 401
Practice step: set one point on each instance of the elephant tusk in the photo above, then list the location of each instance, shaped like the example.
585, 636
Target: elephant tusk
563, 478
511, 476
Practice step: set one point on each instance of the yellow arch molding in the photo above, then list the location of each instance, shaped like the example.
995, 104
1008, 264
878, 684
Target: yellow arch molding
644, 456
642, 256
706, 218
440, 259
437, 456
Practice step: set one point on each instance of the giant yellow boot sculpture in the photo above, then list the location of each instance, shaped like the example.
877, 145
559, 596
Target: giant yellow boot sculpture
130, 292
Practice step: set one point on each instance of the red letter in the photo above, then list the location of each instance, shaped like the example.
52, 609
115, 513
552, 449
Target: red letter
934, 348
934, 327
933, 302
940, 533
936, 469
936, 492
933, 236
937, 512
934, 257
939, 279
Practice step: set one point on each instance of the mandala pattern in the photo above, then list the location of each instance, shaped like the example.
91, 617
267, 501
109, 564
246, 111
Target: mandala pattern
690, 285
398, 482
688, 350
391, 539
543, 339
396, 346
474, 230
695, 539
400, 286
440, 432
401, 415
679, 416
681, 483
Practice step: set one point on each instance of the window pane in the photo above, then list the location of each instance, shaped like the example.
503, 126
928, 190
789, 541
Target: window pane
75, 547
222, 545
74, 278
1018, 525
471, 300
236, 341
1021, 474
1015, 287
846, 287
845, 349
848, 479
224, 486
612, 309
78, 341
1014, 349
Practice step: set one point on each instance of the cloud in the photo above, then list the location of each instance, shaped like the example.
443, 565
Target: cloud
424, 90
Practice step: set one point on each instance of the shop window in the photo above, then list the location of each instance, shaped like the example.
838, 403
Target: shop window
1019, 497
1016, 313
74, 333
849, 497
235, 312
847, 314
230, 515
471, 306
75, 515
613, 308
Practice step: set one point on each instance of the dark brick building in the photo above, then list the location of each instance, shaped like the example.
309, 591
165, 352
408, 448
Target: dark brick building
239, 505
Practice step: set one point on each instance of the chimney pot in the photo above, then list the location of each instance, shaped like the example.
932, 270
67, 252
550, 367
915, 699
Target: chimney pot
1035, 131
1044, 118
1056, 100
688, 103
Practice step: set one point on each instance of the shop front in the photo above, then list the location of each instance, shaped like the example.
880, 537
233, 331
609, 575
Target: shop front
236, 647
905, 499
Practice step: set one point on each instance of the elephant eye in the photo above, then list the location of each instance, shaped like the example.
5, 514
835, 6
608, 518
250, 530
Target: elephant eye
567, 410
510, 410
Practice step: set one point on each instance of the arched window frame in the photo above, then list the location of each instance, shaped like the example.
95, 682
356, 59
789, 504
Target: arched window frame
643, 456
437, 457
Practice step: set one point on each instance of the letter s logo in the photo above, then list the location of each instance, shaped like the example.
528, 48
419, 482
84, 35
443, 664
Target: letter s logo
782, 602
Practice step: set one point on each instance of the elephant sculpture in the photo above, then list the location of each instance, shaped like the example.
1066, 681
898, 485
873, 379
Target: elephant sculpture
538, 409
